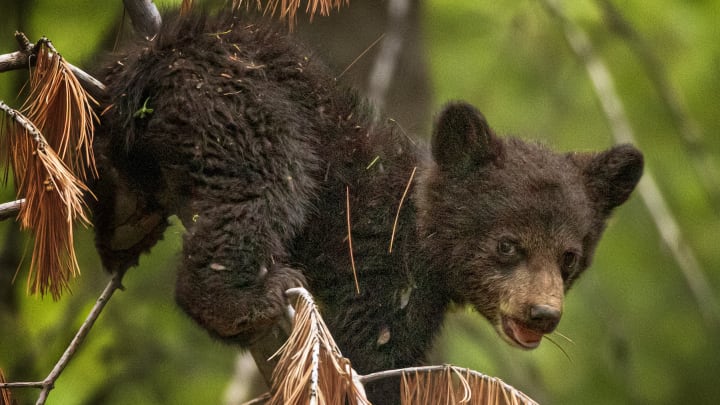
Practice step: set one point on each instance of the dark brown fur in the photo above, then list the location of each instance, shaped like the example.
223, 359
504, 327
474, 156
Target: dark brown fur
253, 145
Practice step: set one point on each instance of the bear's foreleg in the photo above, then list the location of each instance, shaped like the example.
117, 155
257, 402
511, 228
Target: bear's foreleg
232, 278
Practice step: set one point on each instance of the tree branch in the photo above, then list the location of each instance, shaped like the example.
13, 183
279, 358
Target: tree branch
31, 129
145, 17
10, 209
49, 382
650, 193
13, 61
383, 69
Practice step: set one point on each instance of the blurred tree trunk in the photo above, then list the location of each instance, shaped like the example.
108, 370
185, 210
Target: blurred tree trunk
343, 36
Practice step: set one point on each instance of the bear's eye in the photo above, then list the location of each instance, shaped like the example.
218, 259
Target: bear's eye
507, 247
570, 261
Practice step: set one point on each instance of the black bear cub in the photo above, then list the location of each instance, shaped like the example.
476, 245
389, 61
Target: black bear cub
244, 135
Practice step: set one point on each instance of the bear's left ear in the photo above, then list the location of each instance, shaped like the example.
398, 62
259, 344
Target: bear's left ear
462, 138
611, 176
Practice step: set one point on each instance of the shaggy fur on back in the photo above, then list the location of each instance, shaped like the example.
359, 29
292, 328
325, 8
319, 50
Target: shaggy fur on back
239, 131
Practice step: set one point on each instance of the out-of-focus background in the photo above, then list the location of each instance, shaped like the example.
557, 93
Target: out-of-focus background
644, 320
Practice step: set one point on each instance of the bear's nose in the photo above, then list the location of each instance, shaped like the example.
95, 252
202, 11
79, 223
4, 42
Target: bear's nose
544, 318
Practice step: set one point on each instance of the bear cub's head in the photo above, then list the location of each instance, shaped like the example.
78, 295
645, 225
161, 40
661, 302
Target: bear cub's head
511, 225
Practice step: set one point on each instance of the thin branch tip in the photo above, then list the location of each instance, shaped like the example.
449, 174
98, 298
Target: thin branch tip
48, 384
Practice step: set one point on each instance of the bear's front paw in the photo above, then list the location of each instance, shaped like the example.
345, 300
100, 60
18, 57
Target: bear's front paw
235, 309
279, 279
270, 307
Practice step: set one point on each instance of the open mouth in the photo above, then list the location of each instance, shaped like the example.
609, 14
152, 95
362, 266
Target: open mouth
521, 334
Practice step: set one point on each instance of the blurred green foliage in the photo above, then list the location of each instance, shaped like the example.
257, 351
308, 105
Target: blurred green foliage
638, 335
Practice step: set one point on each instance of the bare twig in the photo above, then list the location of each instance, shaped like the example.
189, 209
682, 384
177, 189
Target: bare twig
384, 67
650, 193
31, 129
31, 384
13, 61
18, 59
10, 209
49, 382
145, 17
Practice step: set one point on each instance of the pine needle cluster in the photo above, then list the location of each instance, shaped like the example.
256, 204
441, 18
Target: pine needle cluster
48, 147
450, 385
311, 369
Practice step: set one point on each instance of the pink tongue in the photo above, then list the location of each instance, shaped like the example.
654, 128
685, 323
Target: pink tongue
525, 336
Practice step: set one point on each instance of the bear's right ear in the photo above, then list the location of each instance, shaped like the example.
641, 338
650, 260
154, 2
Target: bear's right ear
462, 138
611, 176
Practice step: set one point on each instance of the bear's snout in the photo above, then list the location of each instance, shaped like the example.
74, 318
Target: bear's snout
544, 318
526, 331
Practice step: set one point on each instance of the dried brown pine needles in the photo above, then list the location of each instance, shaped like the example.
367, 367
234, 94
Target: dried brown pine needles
49, 149
311, 369
400, 204
5, 394
286, 10
349, 239
449, 385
